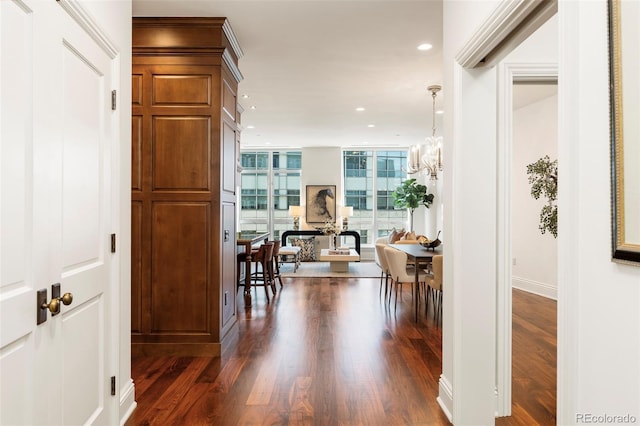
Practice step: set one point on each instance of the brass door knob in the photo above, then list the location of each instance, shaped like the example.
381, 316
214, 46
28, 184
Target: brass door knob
67, 298
54, 304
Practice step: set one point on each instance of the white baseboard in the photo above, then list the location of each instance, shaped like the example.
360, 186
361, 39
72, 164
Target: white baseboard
541, 289
445, 397
127, 402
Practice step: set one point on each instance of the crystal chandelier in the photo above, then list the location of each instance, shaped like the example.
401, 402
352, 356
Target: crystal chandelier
428, 157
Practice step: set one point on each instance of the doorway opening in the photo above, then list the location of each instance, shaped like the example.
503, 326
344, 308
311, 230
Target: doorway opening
533, 254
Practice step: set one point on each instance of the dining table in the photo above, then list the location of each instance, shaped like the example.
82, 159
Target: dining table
248, 240
421, 256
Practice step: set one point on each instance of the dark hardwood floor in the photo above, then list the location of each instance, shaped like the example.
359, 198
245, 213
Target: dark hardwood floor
329, 351
533, 375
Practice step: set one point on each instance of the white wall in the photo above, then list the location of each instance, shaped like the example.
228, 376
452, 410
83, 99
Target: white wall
469, 299
321, 166
539, 47
598, 300
535, 134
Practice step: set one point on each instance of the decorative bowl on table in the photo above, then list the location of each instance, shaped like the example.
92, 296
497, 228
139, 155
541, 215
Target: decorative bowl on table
430, 244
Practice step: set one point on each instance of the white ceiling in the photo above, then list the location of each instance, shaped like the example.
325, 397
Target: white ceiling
528, 93
308, 64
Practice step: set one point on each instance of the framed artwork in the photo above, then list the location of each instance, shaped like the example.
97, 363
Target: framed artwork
624, 90
321, 203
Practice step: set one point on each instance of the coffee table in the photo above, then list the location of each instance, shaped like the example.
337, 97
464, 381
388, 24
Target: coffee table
339, 262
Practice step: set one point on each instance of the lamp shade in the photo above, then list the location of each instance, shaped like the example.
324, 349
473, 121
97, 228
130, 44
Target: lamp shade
347, 211
295, 211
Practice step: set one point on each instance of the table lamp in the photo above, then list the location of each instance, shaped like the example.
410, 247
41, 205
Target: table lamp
296, 212
347, 211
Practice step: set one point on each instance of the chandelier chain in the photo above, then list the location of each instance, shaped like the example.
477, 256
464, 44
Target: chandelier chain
431, 161
433, 95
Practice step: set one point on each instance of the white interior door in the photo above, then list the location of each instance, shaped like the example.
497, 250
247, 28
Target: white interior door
55, 205
17, 296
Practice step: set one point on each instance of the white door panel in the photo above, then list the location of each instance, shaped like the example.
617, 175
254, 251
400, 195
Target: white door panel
84, 379
16, 360
15, 166
17, 295
83, 183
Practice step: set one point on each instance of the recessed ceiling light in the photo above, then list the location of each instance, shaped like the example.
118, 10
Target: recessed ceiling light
252, 107
360, 109
251, 126
425, 46
245, 96
371, 125
440, 111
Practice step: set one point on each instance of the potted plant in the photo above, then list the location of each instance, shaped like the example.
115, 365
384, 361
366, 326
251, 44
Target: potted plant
543, 177
411, 195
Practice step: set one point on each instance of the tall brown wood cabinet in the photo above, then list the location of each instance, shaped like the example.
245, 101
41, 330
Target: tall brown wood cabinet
185, 147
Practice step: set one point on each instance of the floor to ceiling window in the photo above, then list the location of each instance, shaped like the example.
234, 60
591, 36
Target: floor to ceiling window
369, 179
270, 183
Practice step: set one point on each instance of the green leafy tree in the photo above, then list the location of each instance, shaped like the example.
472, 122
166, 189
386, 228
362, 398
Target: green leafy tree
543, 177
411, 195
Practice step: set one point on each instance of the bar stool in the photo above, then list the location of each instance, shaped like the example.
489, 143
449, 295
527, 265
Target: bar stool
275, 265
241, 259
262, 259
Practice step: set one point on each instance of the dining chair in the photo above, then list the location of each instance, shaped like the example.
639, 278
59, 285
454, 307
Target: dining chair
434, 287
400, 272
381, 261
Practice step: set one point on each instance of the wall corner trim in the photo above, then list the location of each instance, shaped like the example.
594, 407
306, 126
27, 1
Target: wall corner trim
127, 401
445, 397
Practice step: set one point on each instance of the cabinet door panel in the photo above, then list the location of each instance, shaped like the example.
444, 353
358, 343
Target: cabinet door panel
181, 153
180, 249
176, 90
229, 100
136, 153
